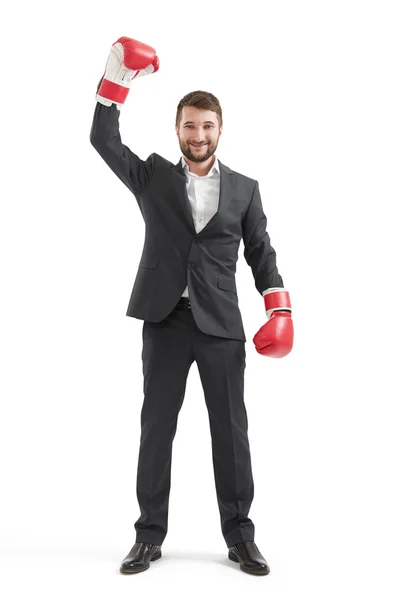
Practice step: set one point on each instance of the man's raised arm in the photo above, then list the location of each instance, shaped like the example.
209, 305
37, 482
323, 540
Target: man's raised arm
128, 60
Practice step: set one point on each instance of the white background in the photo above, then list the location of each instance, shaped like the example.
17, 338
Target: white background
310, 99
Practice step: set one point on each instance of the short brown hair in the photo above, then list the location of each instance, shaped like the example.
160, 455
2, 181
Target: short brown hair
199, 99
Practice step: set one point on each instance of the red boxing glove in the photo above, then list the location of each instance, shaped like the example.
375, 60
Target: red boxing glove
128, 59
275, 338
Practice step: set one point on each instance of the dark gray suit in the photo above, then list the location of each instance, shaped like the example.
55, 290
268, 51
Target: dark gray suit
209, 332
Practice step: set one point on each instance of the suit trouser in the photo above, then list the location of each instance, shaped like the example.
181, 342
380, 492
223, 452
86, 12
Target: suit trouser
169, 349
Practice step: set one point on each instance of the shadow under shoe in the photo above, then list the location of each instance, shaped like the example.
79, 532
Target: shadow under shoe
250, 558
139, 557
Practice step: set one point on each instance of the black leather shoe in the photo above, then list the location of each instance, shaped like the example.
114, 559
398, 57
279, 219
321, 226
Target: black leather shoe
139, 557
250, 559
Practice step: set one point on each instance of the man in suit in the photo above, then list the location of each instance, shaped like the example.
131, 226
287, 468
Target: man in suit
196, 212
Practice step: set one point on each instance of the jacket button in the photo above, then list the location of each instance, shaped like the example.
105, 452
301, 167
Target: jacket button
191, 265
194, 241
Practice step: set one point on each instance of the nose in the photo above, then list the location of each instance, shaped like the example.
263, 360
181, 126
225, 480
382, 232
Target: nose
199, 136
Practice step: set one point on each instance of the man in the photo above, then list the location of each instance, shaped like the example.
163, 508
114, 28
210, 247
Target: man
196, 212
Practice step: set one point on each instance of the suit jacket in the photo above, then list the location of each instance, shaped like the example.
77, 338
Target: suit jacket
174, 254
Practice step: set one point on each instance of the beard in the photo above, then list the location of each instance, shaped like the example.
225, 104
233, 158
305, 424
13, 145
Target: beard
198, 156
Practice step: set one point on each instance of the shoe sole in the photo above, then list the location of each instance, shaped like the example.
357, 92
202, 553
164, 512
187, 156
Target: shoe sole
235, 559
139, 569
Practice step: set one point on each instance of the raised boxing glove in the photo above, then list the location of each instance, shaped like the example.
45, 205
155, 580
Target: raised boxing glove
128, 60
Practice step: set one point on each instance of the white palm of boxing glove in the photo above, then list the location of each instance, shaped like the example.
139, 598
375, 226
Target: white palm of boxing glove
128, 60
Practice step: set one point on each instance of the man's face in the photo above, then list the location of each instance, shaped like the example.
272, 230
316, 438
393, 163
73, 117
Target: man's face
198, 133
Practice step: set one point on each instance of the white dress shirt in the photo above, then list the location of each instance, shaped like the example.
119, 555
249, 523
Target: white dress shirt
203, 194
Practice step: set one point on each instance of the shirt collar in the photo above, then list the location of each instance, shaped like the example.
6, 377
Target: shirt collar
214, 169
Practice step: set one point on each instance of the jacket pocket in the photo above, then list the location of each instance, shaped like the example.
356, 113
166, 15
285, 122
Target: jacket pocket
148, 261
227, 283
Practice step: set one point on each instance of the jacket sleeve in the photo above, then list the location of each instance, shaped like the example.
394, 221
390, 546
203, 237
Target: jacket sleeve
258, 252
105, 138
